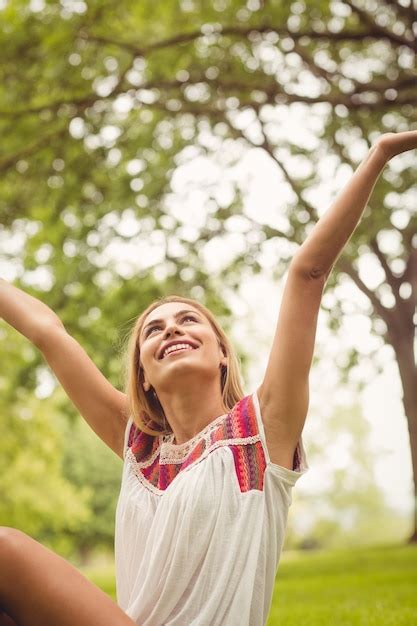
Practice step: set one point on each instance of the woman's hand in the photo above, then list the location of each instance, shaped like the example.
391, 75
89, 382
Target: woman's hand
391, 144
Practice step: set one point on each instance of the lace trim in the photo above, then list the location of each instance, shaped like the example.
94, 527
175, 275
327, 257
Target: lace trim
173, 457
187, 446
136, 469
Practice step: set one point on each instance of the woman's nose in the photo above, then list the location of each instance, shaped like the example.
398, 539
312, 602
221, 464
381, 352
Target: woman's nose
171, 329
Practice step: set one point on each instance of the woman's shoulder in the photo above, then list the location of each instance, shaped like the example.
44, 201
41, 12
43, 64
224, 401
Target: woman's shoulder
140, 443
242, 420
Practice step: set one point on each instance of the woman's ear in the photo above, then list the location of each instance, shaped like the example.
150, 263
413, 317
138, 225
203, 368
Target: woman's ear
223, 355
145, 383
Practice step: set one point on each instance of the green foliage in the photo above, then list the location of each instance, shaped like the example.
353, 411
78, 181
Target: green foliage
88, 90
36, 496
100, 103
87, 462
103, 576
343, 511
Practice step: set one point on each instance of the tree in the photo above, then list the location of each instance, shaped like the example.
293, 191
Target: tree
98, 107
348, 508
86, 462
35, 495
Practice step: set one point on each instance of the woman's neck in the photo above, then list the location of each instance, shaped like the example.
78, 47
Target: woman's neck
189, 412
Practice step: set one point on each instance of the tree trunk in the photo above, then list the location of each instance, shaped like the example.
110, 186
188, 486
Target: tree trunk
412, 429
404, 350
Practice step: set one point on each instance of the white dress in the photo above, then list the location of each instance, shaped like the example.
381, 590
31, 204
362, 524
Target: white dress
200, 525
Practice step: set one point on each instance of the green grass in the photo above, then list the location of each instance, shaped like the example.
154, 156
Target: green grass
358, 587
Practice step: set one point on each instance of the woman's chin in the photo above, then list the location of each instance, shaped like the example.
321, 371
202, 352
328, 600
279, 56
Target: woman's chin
193, 372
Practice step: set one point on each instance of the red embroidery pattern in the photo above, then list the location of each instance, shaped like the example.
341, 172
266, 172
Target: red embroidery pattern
238, 430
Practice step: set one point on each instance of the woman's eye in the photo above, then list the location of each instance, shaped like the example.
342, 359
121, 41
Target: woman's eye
152, 328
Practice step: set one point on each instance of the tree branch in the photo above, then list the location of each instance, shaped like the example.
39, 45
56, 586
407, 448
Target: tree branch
369, 21
290, 180
274, 92
380, 86
346, 266
276, 95
51, 106
315, 69
372, 32
407, 13
410, 273
29, 149
393, 281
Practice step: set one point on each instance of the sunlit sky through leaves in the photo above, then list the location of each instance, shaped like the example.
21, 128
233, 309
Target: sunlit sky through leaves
266, 196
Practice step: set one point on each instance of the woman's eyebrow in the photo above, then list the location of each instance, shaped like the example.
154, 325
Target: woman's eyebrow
178, 314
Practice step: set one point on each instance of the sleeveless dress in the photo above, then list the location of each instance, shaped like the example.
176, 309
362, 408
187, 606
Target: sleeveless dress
200, 525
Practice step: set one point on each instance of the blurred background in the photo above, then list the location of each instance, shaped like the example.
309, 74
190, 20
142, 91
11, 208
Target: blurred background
188, 147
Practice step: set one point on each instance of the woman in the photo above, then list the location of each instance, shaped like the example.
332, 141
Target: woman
208, 472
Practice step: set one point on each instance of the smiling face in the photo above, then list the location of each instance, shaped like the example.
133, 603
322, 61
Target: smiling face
178, 344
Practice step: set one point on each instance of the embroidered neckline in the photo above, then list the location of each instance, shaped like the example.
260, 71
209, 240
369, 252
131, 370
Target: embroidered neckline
157, 461
182, 449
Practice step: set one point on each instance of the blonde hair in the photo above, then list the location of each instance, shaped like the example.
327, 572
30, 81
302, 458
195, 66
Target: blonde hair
144, 406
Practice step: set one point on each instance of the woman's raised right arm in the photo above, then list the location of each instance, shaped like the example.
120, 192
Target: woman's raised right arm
101, 404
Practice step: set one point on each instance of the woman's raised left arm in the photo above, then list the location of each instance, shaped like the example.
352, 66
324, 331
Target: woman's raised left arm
284, 392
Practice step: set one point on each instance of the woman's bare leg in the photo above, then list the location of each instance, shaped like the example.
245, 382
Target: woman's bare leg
39, 588
5, 620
